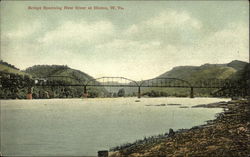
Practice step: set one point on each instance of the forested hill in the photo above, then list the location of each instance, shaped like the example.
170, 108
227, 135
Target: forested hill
57, 70
206, 71
235, 70
9, 68
9, 72
43, 71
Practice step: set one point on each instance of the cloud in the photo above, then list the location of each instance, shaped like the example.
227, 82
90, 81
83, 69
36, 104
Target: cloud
74, 34
23, 32
225, 45
173, 19
171, 27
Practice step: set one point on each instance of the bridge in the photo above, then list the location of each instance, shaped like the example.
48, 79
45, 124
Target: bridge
64, 81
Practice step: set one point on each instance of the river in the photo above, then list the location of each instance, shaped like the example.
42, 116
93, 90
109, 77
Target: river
81, 127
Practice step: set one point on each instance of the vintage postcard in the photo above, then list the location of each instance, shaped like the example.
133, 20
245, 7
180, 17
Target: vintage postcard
124, 78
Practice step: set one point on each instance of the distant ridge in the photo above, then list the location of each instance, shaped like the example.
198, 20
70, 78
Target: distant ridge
206, 71
9, 68
235, 70
237, 65
57, 70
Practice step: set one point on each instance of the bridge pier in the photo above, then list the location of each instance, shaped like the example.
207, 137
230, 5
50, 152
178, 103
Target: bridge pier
29, 94
85, 93
192, 92
139, 92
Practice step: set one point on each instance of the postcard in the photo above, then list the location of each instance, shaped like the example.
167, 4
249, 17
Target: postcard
124, 78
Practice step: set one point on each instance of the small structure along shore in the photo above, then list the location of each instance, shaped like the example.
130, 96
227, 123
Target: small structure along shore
227, 135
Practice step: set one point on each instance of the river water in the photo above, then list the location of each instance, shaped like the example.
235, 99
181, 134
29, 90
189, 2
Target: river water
81, 127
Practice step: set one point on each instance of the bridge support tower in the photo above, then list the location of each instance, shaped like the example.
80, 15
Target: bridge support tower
29, 94
85, 93
192, 92
139, 92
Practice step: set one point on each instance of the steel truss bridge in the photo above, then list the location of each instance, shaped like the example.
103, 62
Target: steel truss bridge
64, 81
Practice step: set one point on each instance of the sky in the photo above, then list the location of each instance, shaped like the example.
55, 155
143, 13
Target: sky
140, 41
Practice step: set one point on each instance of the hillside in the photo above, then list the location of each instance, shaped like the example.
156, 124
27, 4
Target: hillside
237, 65
8, 68
193, 74
41, 71
9, 74
206, 71
21, 78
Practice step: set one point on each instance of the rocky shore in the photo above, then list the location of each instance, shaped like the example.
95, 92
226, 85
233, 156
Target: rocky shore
226, 136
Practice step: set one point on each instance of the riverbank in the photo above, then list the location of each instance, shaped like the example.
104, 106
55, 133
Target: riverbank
227, 135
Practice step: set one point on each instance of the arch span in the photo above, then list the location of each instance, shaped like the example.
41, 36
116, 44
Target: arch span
112, 81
